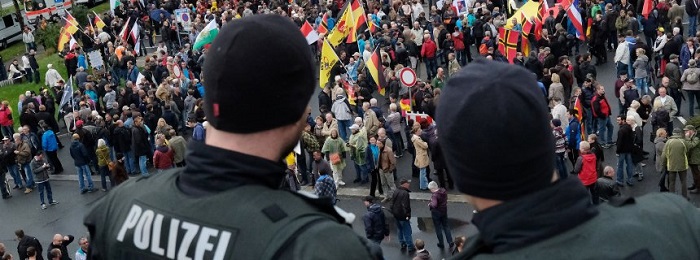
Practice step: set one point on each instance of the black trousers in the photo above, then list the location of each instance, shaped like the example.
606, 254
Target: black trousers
441, 174
53, 159
375, 183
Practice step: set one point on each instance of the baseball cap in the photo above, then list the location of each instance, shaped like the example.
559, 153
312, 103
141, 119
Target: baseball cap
240, 96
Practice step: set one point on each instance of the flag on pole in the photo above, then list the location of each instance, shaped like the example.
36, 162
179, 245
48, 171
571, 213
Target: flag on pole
67, 94
125, 28
351, 92
135, 36
579, 115
73, 43
113, 4
70, 27
525, 46
207, 35
374, 65
359, 19
508, 43
328, 60
71, 19
343, 28
323, 26
574, 18
98, 21
309, 33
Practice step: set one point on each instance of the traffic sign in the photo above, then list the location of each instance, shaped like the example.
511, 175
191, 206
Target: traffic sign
408, 77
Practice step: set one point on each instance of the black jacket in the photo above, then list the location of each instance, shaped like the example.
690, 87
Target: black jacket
139, 141
401, 204
376, 227
63, 247
625, 139
691, 8
122, 139
27, 242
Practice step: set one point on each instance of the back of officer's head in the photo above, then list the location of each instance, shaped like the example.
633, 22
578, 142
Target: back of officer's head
491, 152
258, 76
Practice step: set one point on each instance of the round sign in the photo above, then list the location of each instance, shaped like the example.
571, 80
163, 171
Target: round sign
408, 77
185, 17
176, 71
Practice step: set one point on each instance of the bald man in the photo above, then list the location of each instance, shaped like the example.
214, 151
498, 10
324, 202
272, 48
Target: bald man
60, 242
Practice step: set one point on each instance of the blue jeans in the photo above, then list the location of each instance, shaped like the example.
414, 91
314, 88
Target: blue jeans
45, 185
423, 178
7, 131
84, 172
14, 172
461, 57
129, 162
625, 158
561, 165
343, 127
104, 175
405, 233
642, 85
30, 175
605, 124
142, 164
440, 222
431, 67
692, 26
362, 172
693, 96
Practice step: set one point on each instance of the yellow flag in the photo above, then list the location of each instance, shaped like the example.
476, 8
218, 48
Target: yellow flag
328, 60
343, 27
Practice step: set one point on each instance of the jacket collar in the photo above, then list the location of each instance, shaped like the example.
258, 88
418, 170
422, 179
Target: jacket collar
210, 170
524, 221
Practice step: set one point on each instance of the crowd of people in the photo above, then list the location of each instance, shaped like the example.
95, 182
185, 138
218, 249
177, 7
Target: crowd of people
125, 120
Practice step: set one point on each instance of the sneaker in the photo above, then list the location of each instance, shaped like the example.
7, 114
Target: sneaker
16, 187
441, 246
27, 191
83, 191
43, 206
53, 202
105, 190
452, 245
6, 197
630, 184
641, 177
90, 190
691, 191
341, 183
692, 187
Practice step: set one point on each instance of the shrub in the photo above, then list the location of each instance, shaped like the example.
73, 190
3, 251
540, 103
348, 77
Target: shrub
48, 37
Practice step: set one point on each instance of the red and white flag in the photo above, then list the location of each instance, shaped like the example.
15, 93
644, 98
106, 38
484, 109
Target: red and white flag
309, 32
123, 34
135, 36
418, 117
575, 18
72, 44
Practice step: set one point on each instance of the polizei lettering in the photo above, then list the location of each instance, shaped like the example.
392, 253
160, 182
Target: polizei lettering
170, 237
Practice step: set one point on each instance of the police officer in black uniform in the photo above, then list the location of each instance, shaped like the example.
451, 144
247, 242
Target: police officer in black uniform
524, 210
226, 203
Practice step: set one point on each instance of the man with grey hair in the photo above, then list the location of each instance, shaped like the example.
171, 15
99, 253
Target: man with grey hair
438, 210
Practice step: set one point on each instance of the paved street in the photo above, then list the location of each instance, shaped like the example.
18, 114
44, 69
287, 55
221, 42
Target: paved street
23, 211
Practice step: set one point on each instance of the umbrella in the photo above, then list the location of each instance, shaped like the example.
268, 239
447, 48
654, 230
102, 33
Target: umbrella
155, 14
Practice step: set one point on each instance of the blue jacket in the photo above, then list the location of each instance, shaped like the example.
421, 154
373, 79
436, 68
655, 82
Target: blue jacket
199, 133
134, 74
79, 154
48, 141
375, 223
573, 134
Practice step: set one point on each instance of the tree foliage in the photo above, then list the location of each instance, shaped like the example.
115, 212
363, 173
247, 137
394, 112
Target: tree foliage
80, 13
48, 37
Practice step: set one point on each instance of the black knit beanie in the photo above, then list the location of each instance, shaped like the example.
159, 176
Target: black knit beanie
258, 75
494, 131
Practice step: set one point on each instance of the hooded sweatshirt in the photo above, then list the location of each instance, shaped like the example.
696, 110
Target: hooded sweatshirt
586, 169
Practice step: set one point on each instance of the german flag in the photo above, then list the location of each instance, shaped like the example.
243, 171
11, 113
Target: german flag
372, 27
360, 17
63, 38
69, 26
508, 43
374, 66
405, 105
579, 115
323, 27
98, 21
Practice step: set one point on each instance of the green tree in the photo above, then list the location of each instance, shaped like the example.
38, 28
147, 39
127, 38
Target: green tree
80, 13
48, 37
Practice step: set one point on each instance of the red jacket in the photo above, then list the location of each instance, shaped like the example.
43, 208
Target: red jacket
428, 50
588, 174
458, 40
600, 106
162, 158
5, 116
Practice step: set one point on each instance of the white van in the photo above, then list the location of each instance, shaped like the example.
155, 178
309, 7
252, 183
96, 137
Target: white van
49, 9
89, 2
10, 31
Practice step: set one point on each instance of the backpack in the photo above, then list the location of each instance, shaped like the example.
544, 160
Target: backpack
692, 77
483, 49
